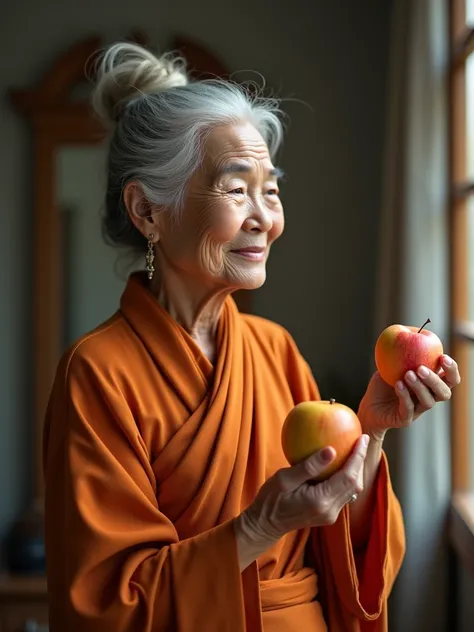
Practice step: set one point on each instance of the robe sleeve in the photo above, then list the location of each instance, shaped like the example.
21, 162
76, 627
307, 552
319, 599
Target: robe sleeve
115, 563
353, 596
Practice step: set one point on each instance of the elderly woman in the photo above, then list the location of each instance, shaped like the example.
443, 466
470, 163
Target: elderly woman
169, 503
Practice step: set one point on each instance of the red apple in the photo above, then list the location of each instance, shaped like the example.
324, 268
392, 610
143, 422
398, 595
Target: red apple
311, 426
401, 348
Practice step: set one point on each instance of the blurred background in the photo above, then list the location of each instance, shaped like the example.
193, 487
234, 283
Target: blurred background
379, 157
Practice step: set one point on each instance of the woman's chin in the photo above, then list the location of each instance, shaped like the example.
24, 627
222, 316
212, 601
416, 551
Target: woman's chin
249, 281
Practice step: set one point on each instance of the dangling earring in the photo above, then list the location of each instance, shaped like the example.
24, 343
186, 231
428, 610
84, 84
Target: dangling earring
150, 257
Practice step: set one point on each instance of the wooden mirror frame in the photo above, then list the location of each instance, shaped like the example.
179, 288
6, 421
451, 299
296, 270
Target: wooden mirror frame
56, 120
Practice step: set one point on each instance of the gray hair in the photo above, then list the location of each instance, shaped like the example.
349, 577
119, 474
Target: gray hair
159, 120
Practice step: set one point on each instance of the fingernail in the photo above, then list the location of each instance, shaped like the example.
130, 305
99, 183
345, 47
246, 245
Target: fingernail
411, 377
423, 371
365, 440
400, 386
447, 361
326, 454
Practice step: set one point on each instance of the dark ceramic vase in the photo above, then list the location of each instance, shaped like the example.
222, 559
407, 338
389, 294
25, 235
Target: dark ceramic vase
24, 549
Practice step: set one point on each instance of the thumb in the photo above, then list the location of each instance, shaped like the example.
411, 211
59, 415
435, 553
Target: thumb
309, 469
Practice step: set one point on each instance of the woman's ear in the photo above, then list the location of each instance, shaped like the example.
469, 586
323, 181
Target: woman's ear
143, 214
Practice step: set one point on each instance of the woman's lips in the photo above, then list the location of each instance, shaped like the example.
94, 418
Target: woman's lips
253, 253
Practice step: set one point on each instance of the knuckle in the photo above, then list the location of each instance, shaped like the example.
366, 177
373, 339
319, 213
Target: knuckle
350, 479
314, 465
309, 468
280, 479
323, 506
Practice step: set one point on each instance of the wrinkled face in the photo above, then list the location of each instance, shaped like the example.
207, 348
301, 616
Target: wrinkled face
232, 214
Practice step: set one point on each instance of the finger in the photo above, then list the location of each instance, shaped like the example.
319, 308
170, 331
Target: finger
344, 482
360, 479
406, 405
359, 483
292, 477
452, 376
358, 488
422, 392
439, 388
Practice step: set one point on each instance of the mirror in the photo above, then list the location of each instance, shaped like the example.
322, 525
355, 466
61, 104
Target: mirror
93, 277
78, 278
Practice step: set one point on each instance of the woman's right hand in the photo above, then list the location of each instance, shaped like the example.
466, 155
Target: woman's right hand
290, 500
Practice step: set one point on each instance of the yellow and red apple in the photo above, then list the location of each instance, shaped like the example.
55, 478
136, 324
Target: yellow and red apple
402, 348
313, 425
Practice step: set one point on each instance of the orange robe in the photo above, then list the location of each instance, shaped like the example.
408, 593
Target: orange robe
149, 454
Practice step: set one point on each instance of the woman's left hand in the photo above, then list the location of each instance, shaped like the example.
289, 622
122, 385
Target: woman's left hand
384, 407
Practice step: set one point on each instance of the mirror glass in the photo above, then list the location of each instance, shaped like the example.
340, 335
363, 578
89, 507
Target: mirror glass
93, 274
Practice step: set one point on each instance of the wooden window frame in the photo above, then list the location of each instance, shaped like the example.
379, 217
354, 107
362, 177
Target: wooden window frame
461, 45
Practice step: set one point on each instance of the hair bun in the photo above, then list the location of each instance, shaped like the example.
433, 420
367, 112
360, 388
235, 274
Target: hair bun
126, 71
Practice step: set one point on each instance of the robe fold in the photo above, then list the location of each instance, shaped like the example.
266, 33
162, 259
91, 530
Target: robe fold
150, 452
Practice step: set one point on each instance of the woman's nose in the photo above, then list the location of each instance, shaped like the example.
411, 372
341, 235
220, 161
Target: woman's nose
259, 219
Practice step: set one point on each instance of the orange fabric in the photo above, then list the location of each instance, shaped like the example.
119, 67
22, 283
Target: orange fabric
149, 454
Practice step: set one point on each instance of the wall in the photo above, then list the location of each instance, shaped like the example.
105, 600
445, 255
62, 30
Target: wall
329, 55
465, 581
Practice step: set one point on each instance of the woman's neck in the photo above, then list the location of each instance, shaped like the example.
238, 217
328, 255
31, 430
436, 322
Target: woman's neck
195, 309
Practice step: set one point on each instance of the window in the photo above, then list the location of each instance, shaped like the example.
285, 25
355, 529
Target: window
461, 137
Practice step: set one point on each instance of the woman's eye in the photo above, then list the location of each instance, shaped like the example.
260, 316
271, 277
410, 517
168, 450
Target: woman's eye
238, 191
272, 192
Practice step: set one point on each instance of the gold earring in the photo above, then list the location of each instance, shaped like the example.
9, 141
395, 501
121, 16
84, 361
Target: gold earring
150, 257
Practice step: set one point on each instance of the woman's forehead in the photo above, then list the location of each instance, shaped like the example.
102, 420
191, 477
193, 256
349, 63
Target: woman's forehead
235, 143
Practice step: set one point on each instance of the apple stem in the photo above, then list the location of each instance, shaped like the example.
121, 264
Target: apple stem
424, 324
332, 401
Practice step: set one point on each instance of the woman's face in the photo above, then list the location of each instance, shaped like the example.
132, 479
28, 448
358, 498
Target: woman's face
231, 216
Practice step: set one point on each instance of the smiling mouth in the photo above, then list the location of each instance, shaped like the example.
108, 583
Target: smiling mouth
253, 253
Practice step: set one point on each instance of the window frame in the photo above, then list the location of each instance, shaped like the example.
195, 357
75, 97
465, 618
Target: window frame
461, 45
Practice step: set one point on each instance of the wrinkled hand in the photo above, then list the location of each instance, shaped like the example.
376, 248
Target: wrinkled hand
290, 499
384, 407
